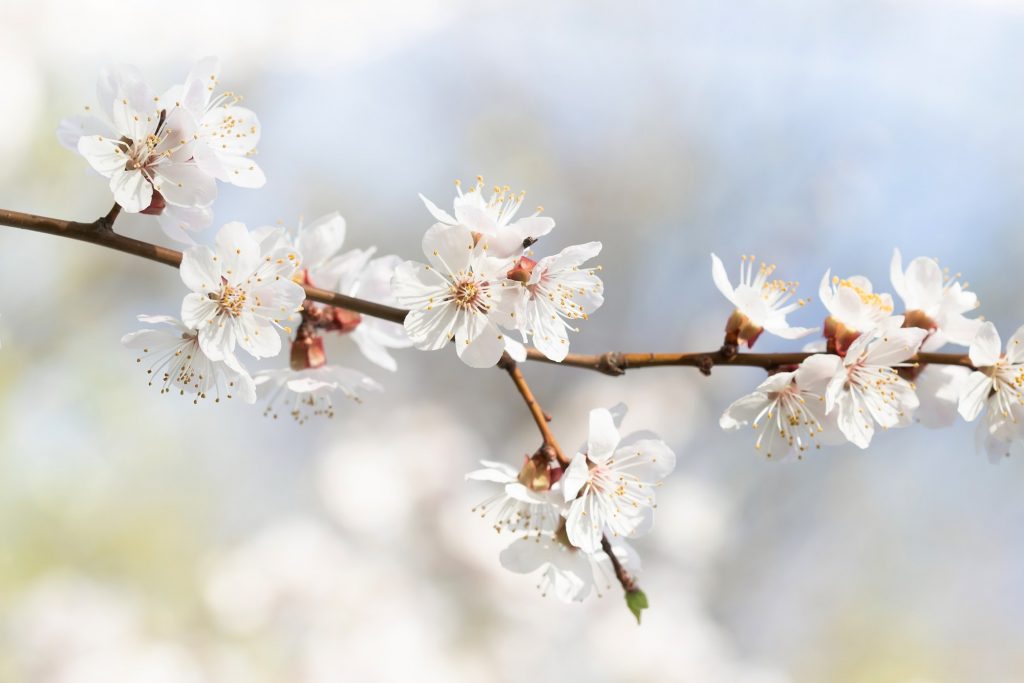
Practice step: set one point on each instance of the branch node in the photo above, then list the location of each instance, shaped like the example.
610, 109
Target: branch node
704, 364
106, 223
548, 451
728, 351
612, 363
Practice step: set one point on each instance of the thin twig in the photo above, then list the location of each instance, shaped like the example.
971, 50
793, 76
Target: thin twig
549, 443
625, 578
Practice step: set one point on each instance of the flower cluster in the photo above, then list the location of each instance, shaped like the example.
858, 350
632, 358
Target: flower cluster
869, 375
571, 522
246, 292
481, 282
305, 387
163, 153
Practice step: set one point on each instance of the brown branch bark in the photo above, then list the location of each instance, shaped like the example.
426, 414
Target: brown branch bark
615, 363
549, 443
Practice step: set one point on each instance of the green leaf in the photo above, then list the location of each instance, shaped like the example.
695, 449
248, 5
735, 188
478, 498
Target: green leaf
636, 601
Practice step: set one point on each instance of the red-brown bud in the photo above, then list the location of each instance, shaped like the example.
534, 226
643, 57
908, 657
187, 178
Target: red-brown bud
156, 205
344, 321
539, 473
308, 351
918, 318
740, 330
522, 271
839, 336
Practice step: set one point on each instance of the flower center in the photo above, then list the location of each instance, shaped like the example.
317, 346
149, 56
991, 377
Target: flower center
869, 298
466, 294
232, 300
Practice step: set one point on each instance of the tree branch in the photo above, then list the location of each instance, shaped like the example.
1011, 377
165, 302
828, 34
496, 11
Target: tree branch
549, 443
98, 232
613, 363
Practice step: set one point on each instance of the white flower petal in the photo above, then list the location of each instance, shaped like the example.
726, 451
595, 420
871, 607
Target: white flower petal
184, 185
985, 349
439, 215
131, 190
854, 424
743, 411
896, 274
583, 524
974, 393
602, 437
575, 476
448, 248
483, 349
74, 128
200, 270
105, 155
721, 279
197, 310
321, 239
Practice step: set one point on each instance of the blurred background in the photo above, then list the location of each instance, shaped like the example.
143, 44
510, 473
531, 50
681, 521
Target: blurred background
145, 539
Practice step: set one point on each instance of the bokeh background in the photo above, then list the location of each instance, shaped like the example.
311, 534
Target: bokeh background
145, 539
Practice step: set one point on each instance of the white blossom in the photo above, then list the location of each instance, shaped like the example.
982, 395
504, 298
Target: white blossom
997, 387
611, 485
462, 296
228, 133
557, 291
787, 410
238, 296
307, 393
355, 273
761, 304
935, 301
517, 508
174, 360
565, 571
938, 389
853, 306
145, 149
371, 280
179, 222
493, 218
867, 388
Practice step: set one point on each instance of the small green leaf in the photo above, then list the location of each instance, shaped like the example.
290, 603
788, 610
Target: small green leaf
636, 601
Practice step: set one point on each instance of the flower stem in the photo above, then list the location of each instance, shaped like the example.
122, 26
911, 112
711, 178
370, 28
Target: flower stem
549, 444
